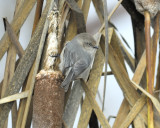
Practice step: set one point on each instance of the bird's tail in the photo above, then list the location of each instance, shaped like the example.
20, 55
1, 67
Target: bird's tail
67, 80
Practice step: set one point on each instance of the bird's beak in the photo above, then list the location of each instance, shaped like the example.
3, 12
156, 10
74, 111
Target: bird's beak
96, 47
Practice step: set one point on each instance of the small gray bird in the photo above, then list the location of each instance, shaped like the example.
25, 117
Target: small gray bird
77, 58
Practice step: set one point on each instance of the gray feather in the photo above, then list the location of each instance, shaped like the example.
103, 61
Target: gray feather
67, 80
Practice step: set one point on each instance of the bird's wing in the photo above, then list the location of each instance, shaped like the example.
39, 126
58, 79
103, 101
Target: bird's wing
68, 79
80, 66
71, 55
74, 57
65, 59
68, 57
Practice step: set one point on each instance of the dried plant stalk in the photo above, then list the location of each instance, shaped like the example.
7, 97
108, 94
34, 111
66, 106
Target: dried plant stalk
154, 45
136, 78
48, 100
16, 24
85, 9
23, 104
149, 70
134, 111
14, 97
122, 113
95, 106
10, 66
14, 39
23, 67
35, 66
37, 14
132, 98
53, 45
9, 71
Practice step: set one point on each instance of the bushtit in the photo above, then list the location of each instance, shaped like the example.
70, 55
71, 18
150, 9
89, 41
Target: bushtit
76, 58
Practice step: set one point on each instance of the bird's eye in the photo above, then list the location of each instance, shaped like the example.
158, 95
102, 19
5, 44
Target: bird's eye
89, 44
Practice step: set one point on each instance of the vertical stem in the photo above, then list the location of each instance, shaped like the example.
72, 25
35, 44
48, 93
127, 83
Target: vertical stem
26, 87
149, 71
37, 14
154, 45
106, 50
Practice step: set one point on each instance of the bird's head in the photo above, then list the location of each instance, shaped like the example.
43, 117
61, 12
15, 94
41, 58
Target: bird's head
87, 41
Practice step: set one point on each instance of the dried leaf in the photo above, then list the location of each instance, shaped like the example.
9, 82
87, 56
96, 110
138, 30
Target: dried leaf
153, 99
